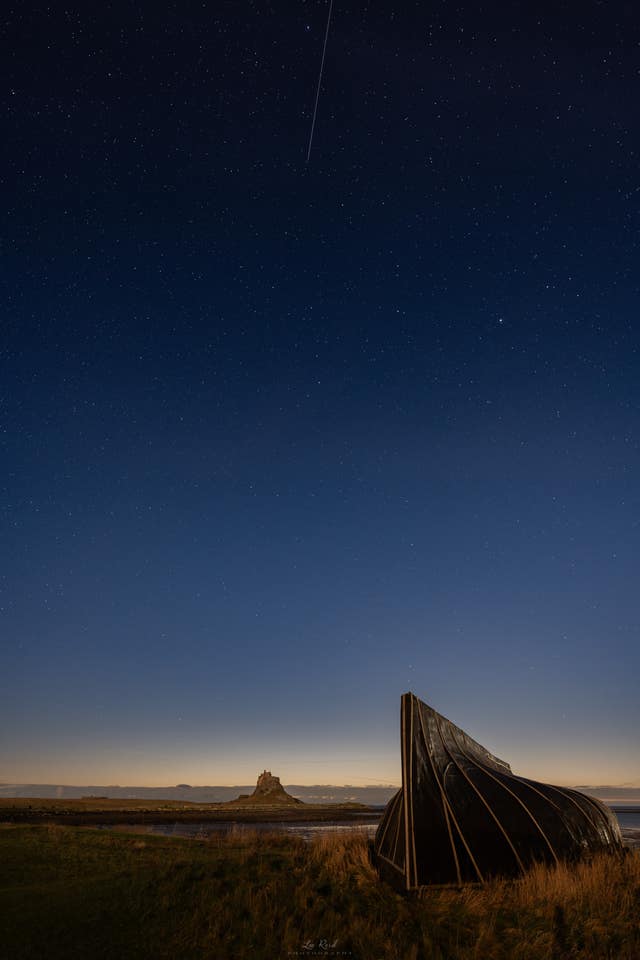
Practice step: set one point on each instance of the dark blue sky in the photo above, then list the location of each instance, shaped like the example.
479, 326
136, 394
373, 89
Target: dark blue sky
283, 441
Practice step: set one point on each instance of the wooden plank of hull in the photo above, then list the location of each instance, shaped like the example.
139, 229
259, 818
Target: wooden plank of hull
462, 816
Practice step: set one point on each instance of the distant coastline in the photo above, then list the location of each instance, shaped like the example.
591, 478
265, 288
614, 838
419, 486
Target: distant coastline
375, 795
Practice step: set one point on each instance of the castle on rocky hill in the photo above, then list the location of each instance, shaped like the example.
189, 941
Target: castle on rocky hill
268, 790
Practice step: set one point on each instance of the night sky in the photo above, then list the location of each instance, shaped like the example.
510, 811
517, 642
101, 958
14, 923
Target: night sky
283, 441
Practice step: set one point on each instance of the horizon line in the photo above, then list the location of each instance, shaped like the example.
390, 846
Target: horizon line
204, 786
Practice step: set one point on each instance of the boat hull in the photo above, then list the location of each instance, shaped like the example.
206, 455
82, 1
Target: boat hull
462, 816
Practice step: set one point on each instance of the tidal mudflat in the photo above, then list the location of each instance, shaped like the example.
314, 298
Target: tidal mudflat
100, 810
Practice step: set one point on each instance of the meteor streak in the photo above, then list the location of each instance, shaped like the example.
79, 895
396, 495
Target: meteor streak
315, 108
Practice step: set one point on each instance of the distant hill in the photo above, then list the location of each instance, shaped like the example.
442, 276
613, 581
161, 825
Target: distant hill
613, 793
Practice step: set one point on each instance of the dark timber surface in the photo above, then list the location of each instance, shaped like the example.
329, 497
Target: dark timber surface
462, 816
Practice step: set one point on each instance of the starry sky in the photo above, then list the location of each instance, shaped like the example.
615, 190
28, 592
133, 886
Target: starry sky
285, 440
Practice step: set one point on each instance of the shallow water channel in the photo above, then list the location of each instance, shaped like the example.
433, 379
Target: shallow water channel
200, 831
628, 817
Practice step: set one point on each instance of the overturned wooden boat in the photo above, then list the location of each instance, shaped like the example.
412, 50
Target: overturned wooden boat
462, 816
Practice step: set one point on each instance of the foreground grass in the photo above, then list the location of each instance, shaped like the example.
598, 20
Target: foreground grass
76, 893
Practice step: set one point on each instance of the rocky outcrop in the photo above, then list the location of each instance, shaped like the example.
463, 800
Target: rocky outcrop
268, 791
268, 785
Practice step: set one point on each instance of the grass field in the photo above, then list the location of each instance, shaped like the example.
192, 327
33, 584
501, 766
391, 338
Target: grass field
69, 893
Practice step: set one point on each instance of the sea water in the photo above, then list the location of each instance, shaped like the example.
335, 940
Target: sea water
629, 819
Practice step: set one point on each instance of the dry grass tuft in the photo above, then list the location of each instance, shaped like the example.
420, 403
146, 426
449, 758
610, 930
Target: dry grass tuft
345, 857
